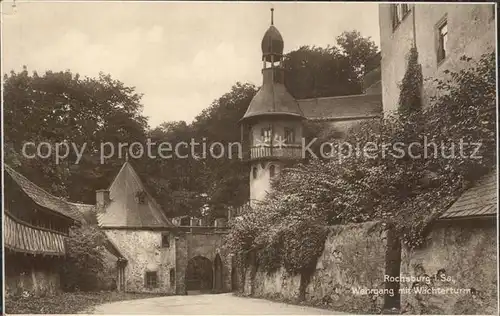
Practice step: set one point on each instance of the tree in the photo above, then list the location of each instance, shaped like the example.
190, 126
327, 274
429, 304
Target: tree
185, 185
64, 107
332, 71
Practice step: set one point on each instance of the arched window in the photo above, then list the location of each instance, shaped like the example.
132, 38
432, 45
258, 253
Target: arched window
272, 170
254, 172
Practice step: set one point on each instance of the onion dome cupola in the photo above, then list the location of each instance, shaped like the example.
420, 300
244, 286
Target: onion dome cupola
272, 42
273, 97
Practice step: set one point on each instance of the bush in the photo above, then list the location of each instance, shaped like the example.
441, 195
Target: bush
85, 268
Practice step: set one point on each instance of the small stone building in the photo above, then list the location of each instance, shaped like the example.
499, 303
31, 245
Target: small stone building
158, 256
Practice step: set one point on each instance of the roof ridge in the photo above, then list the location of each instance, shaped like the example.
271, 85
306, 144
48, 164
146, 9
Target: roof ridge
28, 183
161, 212
31, 182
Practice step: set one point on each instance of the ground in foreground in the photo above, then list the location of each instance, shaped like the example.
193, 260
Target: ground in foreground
207, 304
66, 303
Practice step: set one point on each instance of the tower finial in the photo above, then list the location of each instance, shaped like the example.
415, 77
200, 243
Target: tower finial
272, 16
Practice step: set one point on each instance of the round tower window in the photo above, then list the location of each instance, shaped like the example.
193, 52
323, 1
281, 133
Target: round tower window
254, 172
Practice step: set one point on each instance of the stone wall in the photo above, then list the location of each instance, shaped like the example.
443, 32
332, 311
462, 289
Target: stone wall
471, 31
144, 252
35, 275
458, 255
353, 258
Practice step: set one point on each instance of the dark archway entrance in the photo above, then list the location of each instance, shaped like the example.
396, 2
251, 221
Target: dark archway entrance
218, 286
199, 275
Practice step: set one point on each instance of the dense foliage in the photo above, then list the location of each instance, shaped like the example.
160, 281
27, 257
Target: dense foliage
314, 72
398, 187
410, 96
85, 268
62, 106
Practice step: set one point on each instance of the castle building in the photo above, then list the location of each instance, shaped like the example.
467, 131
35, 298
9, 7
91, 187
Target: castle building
441, 33
273, 120
273, 126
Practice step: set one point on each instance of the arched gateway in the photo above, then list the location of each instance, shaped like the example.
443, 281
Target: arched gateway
199, 275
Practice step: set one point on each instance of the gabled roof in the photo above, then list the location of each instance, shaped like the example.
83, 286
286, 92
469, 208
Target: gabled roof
480, 200
343, 107
42, 197
124, 209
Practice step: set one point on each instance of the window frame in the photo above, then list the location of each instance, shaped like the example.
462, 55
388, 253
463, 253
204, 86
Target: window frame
399, 11
263, 132
287, 132
151, 275
441, 40
140, 197
172, 277
165, 236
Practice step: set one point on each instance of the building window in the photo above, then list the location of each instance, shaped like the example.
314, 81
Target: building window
254, 172
165, 240
140, 197
151, 279
405, 9
172, 277
289, 135
442, 40
265, 134
398, 12
272, 171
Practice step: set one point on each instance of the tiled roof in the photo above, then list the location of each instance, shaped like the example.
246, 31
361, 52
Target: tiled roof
480, 200
343, 107
124, 210
272, 99
86, 210
42, 197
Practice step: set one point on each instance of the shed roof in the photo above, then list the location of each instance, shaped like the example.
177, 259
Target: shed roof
479, 200
42, 197
343, 107
124, 210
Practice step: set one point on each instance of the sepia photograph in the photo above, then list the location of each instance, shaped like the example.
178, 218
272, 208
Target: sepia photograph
249, 158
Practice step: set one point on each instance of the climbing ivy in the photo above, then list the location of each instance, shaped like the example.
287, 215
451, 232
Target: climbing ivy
410, 95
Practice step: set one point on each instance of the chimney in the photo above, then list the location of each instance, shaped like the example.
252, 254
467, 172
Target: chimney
102, 198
